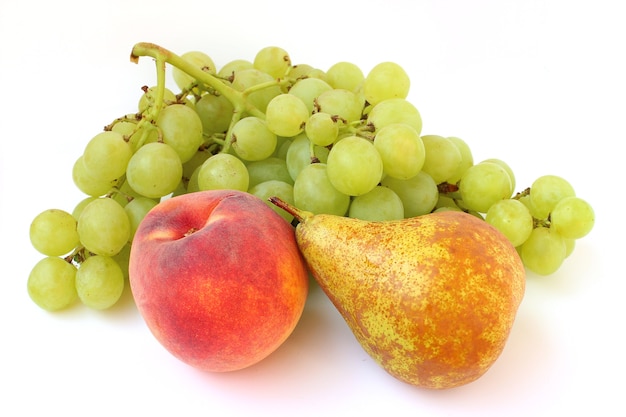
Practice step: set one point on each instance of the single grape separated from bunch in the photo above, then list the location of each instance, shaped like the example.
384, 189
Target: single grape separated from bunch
336, 141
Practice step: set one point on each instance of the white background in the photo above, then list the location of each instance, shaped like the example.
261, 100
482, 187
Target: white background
539, 84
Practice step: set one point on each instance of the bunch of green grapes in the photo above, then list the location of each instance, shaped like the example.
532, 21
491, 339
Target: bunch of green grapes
543, 221
337, 141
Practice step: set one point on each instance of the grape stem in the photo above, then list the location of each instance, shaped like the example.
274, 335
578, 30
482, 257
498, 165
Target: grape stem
162, 56
130, 119
77, 256
160, 89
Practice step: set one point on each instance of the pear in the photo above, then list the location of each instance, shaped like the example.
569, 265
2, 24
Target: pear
431, 299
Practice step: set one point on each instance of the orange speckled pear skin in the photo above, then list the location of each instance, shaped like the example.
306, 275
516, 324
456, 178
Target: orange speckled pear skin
432, 299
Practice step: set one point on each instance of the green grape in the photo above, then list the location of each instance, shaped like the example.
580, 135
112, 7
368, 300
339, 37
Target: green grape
308, 90
321, 129
274, 188
106, 155
223, 171
99, 282
317, 73
312, 191
272, 60
182, 129
443, 158
506, 167
395, 110
386, 80
196, 160
544, 251
230, 68
136, 210
51, 283
89, 184
149, 96
343, 103
192, 185
467, 159
53, 232
512, 218
180, 189
199, 60
482, 185
572, 218
215, 112
525, 199
104, 227
286, 115
345, 75
379, 204
546, 192
248, 79
419, 194
252, 140
300, 71
446, 203
125, 128
155, 170
123, 258
148, 133
126, 194
401, 149
354, 166
78, 208
446, 208
283, 146
272, 168
299, 155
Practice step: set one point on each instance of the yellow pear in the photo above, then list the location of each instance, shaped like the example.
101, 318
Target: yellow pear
431, 299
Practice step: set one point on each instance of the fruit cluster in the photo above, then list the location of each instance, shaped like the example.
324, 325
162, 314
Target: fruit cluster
336, 141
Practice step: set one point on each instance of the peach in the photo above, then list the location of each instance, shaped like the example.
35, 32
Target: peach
218, 278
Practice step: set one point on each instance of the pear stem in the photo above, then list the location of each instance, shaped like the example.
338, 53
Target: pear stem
298, 214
